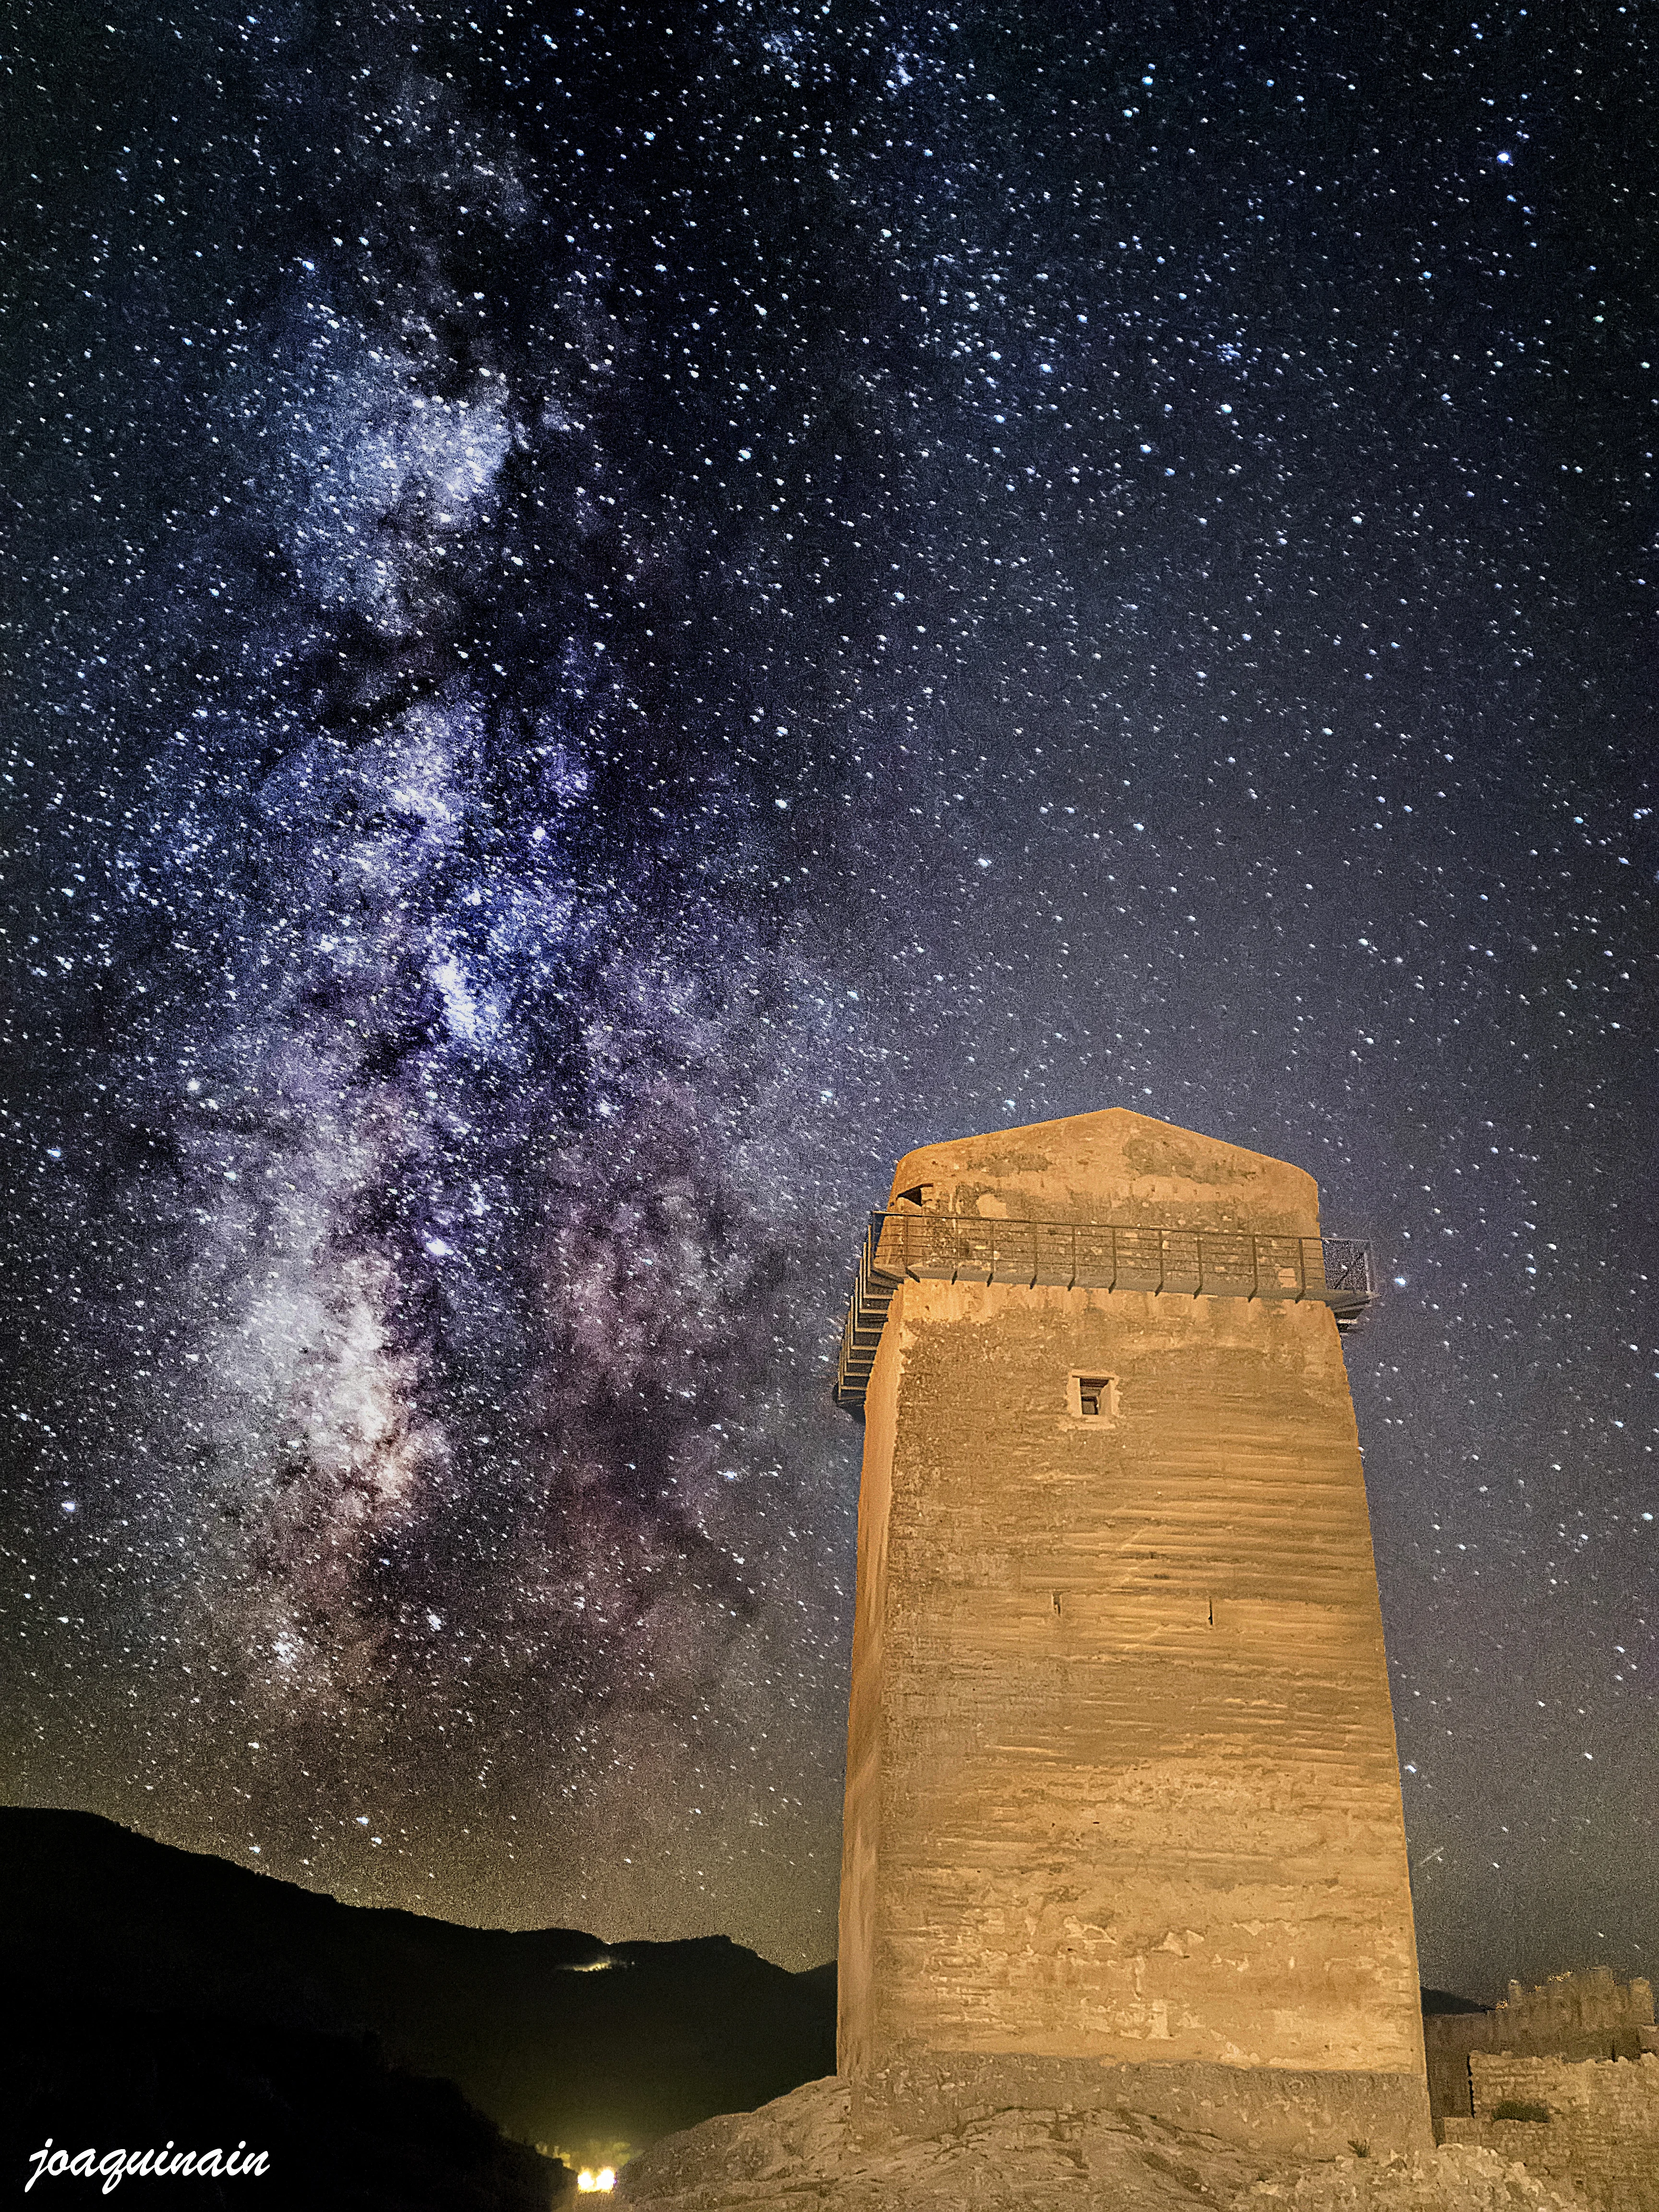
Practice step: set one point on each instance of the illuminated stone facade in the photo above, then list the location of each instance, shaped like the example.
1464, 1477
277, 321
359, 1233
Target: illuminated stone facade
1121, 1786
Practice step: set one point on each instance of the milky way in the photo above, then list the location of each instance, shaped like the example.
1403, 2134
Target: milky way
618, 616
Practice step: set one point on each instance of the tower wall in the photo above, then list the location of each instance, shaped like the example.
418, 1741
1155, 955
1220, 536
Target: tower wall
1122, 1784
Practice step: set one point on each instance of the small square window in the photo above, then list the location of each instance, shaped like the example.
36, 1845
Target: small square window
1093, 1397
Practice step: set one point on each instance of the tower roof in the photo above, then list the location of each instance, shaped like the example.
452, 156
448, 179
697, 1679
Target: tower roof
1112, 1166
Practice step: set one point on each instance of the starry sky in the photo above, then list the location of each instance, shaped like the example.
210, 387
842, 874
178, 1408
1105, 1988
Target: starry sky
615, 615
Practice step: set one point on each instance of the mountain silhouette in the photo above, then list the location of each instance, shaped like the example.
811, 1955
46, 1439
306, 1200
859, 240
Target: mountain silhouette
115, 1943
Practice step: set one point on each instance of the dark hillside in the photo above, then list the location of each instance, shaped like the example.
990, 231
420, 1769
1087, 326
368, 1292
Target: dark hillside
336, 2126
559, 2039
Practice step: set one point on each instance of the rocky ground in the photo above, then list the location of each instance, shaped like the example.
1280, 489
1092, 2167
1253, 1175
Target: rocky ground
797, 2156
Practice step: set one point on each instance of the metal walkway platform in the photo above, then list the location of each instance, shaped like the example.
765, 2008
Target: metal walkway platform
948, 1247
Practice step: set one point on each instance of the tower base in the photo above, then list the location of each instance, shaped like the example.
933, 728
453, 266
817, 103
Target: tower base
1280, 2112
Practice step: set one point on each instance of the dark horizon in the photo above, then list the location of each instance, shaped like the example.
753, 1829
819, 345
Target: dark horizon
618, 616
566, 2044
175, 1869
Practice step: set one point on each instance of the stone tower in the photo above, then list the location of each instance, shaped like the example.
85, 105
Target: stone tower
1121, 1782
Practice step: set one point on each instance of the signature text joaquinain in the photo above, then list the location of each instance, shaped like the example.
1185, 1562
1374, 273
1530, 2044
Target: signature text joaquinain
116, 2165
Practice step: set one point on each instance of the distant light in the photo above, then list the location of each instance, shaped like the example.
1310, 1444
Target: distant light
1401, 1281
1506, 159
604, 2181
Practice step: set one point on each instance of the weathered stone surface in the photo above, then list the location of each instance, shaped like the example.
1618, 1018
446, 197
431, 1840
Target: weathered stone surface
1443, 2181
1592, 2121
1273, 2111
1571, 2015
1121, 1775
803, 2153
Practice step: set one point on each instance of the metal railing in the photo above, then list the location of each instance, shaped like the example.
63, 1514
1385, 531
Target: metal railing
950, 1248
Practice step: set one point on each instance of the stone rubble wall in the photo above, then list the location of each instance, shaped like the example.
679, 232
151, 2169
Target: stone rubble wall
1603, 2127
1572, 2015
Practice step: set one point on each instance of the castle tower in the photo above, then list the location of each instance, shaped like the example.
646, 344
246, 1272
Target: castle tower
1121, 1782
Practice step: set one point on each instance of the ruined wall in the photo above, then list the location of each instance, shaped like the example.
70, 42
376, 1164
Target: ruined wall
1602, 2131
1571, 2015
1574, 2015
1122, 1783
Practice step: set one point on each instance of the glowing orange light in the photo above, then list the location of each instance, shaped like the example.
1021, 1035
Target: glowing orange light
604, 2181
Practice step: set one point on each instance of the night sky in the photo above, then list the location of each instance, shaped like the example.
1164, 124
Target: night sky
614, 617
